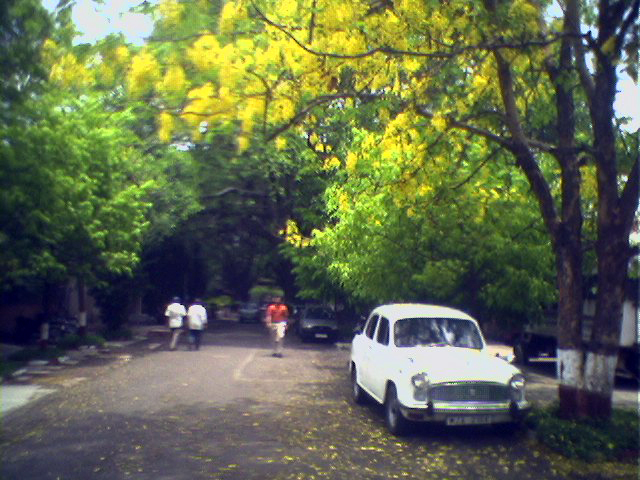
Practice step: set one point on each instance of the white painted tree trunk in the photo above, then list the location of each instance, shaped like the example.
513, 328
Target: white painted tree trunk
588, 378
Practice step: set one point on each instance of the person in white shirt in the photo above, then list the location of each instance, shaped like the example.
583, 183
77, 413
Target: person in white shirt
197, 321
175, 312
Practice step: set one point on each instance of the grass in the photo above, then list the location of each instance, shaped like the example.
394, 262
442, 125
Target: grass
594, 441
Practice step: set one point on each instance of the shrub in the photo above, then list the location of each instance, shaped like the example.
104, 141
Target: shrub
69, 342
93, 339
121, 333
589, 440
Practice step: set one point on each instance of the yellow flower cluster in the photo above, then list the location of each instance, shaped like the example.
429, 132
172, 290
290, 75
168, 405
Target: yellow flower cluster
68, 72
174, 80
144, 73
204, 52
412, 11
439, 122
122, 55
286, 8
281, 143
254, 107
352, 162
201, 104
331, 163
293, 236
231, 13
165, 126
243, 143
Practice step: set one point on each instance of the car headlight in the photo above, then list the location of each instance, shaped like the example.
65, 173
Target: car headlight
517, 384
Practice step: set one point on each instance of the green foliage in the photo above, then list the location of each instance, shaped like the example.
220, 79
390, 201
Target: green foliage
25, 25
438, 229
118, 333
74, 341
222, 301
589, 440
265, 292
72, 200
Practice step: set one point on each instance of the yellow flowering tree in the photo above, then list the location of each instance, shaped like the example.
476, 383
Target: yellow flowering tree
502, 75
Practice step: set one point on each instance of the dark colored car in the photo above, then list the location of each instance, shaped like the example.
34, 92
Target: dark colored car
317, 323
250, 312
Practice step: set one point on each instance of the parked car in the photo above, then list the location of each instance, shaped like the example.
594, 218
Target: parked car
429, 363
317, 323
250, 312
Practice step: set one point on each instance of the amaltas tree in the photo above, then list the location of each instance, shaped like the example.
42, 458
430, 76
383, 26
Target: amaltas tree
501, 79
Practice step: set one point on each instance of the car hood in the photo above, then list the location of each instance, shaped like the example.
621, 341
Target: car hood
446, 364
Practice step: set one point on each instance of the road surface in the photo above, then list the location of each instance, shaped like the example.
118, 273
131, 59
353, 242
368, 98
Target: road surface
232, 411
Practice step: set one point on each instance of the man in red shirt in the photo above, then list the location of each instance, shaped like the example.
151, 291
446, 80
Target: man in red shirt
276, 321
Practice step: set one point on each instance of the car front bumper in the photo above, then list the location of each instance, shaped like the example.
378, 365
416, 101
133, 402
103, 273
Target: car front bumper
318, 332
456, 413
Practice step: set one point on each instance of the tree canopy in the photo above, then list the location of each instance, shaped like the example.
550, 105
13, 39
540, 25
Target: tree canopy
409, 150
451, 83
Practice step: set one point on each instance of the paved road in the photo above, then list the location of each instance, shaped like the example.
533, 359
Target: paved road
231, 411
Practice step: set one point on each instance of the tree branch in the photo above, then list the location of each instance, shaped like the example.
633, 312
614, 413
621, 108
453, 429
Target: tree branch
572, 17
396, 52
630, 194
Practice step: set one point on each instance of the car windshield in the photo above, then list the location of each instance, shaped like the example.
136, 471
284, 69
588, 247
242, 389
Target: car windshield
318, 314
413, 332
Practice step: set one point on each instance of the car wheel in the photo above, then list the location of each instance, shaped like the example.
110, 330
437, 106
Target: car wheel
396, 423
357, 394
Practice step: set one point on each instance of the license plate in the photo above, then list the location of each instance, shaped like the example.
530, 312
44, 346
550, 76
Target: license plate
322, 335
470, 420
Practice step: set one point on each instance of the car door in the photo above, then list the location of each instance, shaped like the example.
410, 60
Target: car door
380, 359
366, 351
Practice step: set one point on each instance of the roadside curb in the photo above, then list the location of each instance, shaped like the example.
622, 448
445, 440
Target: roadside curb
37, 369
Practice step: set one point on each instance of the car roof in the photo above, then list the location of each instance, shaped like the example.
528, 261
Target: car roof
396, 311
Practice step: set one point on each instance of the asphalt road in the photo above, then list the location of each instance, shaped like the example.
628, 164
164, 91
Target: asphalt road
231, 411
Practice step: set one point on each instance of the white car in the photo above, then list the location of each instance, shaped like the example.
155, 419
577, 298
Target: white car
428, 363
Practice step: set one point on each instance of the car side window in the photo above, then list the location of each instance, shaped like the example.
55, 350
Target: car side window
371, 326
383, 332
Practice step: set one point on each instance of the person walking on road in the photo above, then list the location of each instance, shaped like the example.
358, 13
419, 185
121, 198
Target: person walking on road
197, 321
175, 312
276, 321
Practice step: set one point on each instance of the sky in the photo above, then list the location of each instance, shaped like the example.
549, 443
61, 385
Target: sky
96, 21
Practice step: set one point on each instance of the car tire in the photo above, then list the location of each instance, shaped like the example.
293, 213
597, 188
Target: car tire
357, 394
395, 421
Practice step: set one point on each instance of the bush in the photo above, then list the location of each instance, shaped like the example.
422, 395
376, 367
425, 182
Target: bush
121, 333
93, 339
589, 440
74, 341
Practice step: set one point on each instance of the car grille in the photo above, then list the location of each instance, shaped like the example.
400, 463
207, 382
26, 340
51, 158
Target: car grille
470, 392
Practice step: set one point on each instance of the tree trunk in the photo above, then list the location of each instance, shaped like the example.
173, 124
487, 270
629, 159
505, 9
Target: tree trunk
82, 307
